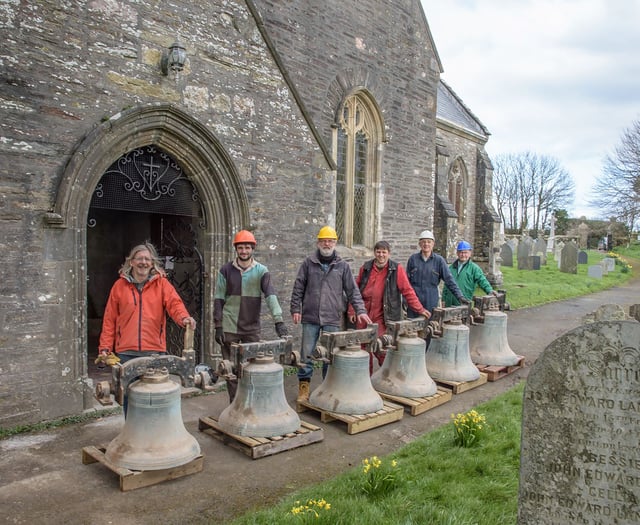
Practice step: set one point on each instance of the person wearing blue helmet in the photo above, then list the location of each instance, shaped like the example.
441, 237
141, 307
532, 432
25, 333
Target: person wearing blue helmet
467, 274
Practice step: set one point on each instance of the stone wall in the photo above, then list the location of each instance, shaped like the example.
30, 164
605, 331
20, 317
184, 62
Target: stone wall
249, 118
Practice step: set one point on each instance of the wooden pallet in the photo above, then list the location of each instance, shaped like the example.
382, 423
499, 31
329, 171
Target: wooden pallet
135, 479
259, 447
495, 372
389, 413
418, 405
457, 387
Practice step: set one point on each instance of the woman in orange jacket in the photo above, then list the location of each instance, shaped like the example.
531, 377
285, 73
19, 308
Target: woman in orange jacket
134, 322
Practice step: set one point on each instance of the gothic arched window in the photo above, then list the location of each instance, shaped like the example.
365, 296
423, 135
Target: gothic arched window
457, 187
357, 147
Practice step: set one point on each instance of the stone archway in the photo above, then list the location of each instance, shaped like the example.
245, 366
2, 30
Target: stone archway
209, 169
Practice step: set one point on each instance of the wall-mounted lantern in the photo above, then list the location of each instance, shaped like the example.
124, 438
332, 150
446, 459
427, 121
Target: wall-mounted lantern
174, 59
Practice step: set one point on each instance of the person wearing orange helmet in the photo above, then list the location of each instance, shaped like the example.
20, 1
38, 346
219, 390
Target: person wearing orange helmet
317, 300
237, 304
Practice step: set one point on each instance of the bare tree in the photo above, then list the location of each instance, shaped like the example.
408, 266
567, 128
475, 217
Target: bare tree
528, 187
617, 192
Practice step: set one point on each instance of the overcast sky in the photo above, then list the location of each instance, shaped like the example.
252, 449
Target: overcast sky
556, 77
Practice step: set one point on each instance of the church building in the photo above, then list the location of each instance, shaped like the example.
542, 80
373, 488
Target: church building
183, 122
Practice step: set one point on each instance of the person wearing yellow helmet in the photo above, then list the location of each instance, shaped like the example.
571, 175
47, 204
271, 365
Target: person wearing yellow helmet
467, 274
317, 300
237, 303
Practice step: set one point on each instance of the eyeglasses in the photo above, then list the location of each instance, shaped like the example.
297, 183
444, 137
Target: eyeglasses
143, 259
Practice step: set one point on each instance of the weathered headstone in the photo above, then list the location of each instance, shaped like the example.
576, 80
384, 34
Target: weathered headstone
580, 459
605, 267
610, 263
583, 257
535, 262
506, 254
540, 248
552, 234
595, 271
569, 258
525, 250
558, 253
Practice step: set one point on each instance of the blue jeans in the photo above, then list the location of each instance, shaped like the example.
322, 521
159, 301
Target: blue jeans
123, 359
310, 336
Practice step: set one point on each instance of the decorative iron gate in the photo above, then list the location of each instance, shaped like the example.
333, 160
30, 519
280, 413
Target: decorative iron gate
157, 202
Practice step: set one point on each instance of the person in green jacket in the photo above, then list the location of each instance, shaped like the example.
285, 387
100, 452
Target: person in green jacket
467, 274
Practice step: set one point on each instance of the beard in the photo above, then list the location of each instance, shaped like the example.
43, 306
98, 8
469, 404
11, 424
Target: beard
326, 252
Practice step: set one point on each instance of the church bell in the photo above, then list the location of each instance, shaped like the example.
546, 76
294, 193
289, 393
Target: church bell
347, 387
488, 342
260, 408
403, 372
448, 357
154, 436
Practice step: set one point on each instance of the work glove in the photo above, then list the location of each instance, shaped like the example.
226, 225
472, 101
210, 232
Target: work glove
112, 359
281, 330
106, 358
219, 336
464, 300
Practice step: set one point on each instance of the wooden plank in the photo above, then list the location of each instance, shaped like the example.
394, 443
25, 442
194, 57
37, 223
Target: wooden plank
419, 405
458, 387
495, 372
259, 447
135, 479
139, 479
389, 413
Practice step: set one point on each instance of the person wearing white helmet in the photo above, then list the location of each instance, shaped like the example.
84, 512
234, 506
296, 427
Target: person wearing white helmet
425, 270
467, 274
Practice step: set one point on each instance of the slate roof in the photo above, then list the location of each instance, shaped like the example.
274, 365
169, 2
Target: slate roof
453, 110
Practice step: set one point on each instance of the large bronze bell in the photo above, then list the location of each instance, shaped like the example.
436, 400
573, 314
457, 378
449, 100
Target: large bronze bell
154, 436
347, 387
448, 357
403, 372
488, 342
260, 408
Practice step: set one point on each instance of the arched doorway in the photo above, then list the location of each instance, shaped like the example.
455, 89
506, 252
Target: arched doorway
145, 196
208, 168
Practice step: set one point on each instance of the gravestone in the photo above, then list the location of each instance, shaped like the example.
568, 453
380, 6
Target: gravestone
535, 262
569, 258
580, 459
595, 271
605, 267
583, 258
525, 250
552, 234
540, 249
558, 252
610, 263
506, 254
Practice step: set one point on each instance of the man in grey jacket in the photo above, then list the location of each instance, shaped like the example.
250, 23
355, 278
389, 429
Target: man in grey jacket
317, 300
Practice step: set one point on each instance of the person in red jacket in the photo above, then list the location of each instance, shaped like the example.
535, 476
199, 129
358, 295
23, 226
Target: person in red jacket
383, 283
134, 322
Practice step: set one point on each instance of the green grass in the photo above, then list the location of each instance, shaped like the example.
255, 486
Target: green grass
526, 288
437, 482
